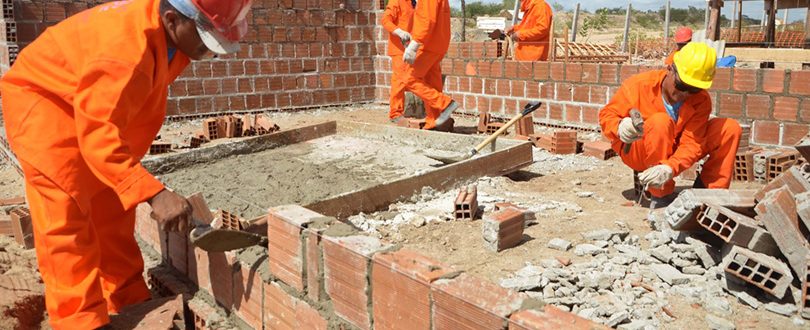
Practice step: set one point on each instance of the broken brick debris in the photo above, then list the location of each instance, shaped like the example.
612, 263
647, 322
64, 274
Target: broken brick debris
466, 203
777, 211
503, 229
12, 201
737, 229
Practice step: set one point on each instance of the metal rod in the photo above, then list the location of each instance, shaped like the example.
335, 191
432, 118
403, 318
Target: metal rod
626, 27
666, 26
575, 24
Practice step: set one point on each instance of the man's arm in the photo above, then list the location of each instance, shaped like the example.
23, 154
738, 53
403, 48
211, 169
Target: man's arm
692, 138
617, 109
424, 20
108, 95
390, 16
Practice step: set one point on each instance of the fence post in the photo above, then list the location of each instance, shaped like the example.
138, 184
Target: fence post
666, 27
575, 24
627, 27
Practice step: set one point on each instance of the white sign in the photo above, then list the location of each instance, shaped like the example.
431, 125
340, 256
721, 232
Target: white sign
489, 24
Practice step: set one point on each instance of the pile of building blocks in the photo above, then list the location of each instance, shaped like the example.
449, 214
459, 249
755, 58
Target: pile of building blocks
318, 273
762, 232
558, 142
764, 165
235, 126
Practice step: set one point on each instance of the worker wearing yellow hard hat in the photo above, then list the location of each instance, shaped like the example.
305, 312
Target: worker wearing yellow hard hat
677, 131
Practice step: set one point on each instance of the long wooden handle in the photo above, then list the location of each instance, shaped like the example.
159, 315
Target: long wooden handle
526, 111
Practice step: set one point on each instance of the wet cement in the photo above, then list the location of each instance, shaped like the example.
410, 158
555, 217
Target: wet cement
302, 173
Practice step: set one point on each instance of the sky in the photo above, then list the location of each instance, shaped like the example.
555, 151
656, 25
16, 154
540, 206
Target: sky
752, 9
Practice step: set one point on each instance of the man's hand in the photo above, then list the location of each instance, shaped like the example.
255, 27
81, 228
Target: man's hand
656, 176
627, 132
404, 36
515, 36
410, 52
170, 210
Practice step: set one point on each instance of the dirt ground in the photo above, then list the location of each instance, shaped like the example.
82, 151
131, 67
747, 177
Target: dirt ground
568, 195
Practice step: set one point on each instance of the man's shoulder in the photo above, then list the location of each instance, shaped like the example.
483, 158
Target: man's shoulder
645, 79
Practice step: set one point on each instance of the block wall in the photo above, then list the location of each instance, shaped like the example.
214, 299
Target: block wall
774, 102
354, 281
298, 54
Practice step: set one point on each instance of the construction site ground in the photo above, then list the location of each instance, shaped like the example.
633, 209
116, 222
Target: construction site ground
568, 195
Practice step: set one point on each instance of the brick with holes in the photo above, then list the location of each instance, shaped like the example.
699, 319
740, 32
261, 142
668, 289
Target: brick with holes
777, 211
466, 203
285, 252
682, 213
804, 302
158, 148
524, 128
803, 147
761, 270
494, 127
483, 121
598, 149
779, 163
744, 166
210, 129
22, 227
794, 179
503, 229
550, 317
737, 229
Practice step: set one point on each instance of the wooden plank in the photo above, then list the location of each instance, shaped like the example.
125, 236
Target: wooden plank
784, 55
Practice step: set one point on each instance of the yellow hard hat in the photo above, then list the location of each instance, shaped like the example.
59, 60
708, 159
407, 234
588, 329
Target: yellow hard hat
695, 63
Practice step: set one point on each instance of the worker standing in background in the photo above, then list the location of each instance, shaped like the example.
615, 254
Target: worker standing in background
677, 130
533, 33
398, 20
682, 36
430, 39
82, 104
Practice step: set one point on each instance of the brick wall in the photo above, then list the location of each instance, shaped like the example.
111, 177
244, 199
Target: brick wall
775, 102
298, 54
352, 281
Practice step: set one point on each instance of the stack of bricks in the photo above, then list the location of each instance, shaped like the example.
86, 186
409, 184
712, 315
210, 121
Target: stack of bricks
466, 203
598, 149
323, 275
232, 126
559, 142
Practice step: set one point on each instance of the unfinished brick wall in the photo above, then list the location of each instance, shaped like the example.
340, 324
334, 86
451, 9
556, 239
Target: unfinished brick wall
352, 281
298, 54
775, 102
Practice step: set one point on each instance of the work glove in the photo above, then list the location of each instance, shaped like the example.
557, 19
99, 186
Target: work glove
627, 132
404, 36
515, 36
656, 176
410, 52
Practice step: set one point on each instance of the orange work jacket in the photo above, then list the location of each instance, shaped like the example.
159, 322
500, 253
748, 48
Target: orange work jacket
534, 36
643, 92
84, 101
671, 58
431, 25
397, 15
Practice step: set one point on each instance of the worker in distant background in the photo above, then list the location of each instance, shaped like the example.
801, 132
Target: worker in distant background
430, 39
533, 33
677, 130
398, 20
682, 36
81, 105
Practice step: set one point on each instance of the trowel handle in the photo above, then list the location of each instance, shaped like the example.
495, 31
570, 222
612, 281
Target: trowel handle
528, 109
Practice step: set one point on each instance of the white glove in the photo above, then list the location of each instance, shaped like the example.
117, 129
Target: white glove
628, 132
405, 37
516, 36
656, 176
410, 52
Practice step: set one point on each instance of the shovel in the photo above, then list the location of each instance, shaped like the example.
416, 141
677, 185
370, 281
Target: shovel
212, 239
528, 109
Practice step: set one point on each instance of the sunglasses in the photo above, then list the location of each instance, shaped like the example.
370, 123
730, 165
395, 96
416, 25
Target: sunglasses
682, 86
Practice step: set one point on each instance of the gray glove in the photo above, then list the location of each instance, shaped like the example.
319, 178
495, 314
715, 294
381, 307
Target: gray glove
404, 36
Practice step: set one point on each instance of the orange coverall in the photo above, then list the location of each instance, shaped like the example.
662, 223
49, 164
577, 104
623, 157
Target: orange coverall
81, 105
677, 144
533, 39
671, 58
431, 29
398, 14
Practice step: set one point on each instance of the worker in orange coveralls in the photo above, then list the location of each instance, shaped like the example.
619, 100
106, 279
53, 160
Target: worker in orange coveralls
430, 39
398, 20
81, 105
677, 130
682, 36
533, 33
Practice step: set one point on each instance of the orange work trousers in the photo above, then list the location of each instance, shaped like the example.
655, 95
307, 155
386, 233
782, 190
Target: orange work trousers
424, 79
658, 144
87, 255
396, 98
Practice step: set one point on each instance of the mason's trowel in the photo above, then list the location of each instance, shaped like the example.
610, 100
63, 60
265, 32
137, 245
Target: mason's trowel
215, 238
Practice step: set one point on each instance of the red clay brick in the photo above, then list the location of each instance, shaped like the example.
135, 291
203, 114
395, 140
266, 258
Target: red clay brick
609, 73
628, 71
557, 71
773, 81
777, 211
722, 79
761, 270
541, 71
248, 294
178, 251
503, 229
346, 267
471, 303
766, 132
573, 72
786, 108
400, 279
793, 133
22, 227
285, 249
757, 106
800, 82
745, 80
590, 72
598, 149
730, 105
466, 203
550, 318
314, 259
